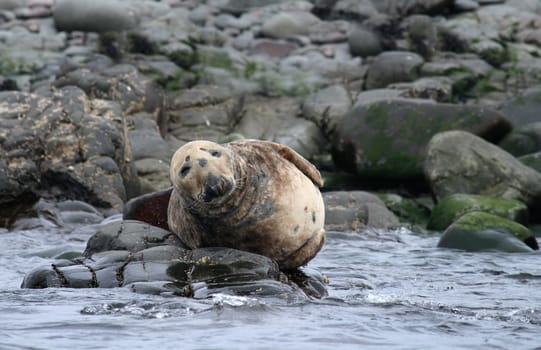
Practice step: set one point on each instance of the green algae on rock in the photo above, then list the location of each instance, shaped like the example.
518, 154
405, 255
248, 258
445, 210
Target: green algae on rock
454, 206
479, 231
408, 210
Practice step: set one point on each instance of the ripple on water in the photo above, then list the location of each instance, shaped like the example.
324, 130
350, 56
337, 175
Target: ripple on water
388, 289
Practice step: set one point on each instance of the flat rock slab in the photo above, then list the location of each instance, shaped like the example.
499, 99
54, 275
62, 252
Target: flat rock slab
149, 259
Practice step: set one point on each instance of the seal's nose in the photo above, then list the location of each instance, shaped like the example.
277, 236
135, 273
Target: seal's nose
216, 186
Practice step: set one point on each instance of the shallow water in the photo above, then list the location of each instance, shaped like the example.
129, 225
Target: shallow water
388, 290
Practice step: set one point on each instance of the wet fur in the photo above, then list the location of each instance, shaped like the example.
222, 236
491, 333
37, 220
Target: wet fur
259, 213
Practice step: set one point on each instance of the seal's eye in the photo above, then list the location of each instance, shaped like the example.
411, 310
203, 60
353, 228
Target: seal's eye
215, 153
185, 170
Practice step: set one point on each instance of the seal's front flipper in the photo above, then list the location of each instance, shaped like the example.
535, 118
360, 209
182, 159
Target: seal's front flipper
150, 208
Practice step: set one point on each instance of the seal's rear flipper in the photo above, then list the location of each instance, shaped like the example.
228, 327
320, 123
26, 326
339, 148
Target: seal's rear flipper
300, 162
150, 208
288, 154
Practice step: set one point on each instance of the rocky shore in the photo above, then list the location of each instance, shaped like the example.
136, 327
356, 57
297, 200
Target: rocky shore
418, 113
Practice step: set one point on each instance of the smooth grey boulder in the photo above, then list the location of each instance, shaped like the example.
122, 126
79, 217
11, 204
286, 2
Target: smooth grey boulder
356, 211
94, 16
364, 42
393, 67
460, 162
289, 24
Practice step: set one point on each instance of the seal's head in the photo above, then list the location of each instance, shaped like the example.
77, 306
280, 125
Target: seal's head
203, 172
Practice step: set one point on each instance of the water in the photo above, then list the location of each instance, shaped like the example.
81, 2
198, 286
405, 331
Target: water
388, 290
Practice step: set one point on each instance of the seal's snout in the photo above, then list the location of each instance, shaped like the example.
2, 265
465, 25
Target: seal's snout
215, 187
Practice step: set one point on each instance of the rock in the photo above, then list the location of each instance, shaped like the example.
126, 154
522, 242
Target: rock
122, 83
272, 48
289, 24
385, 140
482, 33
153, 174
165, 35
148, 259
408, 210
353, 9
364, 42
129, 235
203, 112
478, 231
465, 5
402, 8
393, 67
12, 4
532, 160
460, 162
327, 106
94, 16
356, 211
145, 139
421, 34
523, 140
64, 146
241, 6
454, 206
275, 119
524, 108
437, 89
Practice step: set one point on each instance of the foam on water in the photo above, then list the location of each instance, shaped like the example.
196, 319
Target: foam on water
388, 289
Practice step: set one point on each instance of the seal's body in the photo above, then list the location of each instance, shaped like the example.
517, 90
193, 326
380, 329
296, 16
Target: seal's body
256, 196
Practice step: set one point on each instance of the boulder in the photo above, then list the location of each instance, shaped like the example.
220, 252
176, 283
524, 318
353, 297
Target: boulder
523, 140
421, 35
326, 107
121, 83
460, 162
386, 139
532, 160
356, 211
524, 108
362, 10
364, 42
203, 112
64, 145
289, 24
454, 206
414, 211
439, 89
149, 259
94, 16
276, 119
479, 231
393, 67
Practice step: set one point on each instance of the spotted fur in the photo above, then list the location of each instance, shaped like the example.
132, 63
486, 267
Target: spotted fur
257, 196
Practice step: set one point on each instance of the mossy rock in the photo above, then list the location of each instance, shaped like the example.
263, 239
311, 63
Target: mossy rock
387, 139
532, 160
407, 209
454, 206
479, 231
